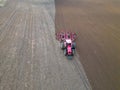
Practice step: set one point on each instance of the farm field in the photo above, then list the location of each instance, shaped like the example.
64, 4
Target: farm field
30, 56
97, 24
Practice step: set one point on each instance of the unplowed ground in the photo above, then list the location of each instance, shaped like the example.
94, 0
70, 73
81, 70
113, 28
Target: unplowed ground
97, 24
30, 57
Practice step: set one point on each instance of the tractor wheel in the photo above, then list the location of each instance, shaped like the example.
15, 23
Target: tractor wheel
74, 45
65, 52
73, 51
62, 45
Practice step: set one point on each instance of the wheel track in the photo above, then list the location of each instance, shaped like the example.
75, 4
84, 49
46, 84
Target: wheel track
6, 11
78, 66
14, 43
8, 60
7, 25
20, 53
23, 54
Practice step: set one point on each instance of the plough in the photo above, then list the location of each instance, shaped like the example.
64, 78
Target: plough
67, 43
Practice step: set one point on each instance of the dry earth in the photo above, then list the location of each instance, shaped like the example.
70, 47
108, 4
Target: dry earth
30, 57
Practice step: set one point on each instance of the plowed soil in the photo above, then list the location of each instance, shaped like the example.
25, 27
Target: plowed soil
97, 24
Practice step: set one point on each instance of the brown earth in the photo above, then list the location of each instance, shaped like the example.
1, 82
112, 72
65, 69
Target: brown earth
97, 24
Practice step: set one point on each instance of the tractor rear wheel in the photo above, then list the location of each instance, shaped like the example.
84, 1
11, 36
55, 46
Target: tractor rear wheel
73, 45
73, 51
65, 52
62, 45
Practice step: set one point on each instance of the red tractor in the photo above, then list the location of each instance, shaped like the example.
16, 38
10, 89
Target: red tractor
67, 42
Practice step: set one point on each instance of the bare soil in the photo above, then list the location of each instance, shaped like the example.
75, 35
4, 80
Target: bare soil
97, 24
30, 56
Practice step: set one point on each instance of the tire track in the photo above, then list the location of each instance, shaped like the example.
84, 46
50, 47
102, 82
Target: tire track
15, 38
6, 26
9, 65
6, 11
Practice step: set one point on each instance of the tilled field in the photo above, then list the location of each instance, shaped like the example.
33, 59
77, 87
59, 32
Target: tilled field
97, 24
30, 57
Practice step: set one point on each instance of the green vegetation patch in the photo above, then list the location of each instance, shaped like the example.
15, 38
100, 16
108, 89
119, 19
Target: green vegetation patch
2, 3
